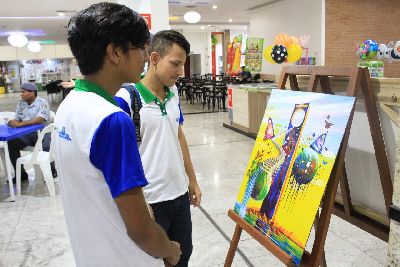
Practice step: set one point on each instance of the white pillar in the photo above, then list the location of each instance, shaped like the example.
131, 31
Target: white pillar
158, 10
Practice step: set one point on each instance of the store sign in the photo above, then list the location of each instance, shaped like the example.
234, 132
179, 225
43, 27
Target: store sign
147, 18
230, 91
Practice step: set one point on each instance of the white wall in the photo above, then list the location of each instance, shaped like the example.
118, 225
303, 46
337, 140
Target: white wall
158, 9
200, 43
294, 18
9, 53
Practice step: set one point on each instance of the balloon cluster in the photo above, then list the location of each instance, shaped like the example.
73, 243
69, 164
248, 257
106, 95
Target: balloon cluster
286, 48
390, 52
370, 48
367, 50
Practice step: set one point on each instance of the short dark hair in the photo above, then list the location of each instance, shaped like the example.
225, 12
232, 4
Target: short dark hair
91, 30
164, 40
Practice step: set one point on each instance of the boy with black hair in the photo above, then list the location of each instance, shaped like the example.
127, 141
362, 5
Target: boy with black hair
164, 151
97, 156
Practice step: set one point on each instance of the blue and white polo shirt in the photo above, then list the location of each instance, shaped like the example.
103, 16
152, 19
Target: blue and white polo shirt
160, 149
97, 160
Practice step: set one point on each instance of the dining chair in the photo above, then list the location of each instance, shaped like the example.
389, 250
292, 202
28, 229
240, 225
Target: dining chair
39, 158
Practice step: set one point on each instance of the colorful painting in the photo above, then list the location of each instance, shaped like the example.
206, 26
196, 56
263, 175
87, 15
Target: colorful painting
290, 165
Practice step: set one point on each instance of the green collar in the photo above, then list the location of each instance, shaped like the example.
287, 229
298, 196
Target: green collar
86, 86
148, 96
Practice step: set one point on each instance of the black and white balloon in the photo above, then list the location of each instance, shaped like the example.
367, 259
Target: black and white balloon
279, 53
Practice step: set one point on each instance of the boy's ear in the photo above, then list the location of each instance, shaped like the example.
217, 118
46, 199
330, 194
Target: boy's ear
154, 58
114, 53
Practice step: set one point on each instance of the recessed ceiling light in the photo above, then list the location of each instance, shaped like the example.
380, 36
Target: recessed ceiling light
34, 47
17, 40
61, 14
202, 27
230, 20
214, 6
209, 25
192, 17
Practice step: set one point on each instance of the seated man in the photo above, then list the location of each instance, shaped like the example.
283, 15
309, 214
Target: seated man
245, 75
31, 110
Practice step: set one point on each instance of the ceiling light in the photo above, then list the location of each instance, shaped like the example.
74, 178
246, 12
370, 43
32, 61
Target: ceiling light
17, 40
209, 25
192, 17
34, 47
61, 14
230, 20
214, 6
202, 27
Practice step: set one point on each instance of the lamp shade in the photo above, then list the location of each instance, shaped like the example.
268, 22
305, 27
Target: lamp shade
192, 17
17, 39
34, 47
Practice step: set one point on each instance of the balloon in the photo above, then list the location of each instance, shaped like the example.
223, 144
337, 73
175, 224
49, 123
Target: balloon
267, 54
304, 39
367, 50
372, 49
382, 51
295, 40
279, 53
294, 53
283, 39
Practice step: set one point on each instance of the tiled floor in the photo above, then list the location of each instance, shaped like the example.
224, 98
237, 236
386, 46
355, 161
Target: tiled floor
33, 232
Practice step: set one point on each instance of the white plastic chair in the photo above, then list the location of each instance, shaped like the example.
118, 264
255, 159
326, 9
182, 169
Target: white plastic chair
4, 117
40, 158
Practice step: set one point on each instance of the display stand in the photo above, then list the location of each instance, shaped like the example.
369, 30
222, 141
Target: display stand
359, 78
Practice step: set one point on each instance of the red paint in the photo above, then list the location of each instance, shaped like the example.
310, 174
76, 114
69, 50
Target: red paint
230, 96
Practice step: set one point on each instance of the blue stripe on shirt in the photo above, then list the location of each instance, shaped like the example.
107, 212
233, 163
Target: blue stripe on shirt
115, 153
181, 120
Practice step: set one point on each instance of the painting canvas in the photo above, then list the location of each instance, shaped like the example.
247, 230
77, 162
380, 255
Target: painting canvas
292, 159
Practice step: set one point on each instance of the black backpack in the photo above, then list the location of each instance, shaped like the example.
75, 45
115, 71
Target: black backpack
136, 105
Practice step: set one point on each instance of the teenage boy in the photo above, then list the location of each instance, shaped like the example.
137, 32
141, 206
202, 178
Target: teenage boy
164, 151
96, 151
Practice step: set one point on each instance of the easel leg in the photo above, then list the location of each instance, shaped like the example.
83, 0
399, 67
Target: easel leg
323, 261
233, 246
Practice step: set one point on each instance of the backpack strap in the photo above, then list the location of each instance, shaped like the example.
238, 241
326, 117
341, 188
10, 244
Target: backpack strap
136, 105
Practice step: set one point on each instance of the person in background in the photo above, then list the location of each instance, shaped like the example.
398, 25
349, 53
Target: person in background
101, 174
31, 110
164, 151
245, 75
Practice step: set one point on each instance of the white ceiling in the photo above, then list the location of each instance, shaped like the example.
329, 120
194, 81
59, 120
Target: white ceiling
53, 27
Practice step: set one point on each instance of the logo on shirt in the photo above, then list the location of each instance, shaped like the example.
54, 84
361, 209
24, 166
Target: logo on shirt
62, 134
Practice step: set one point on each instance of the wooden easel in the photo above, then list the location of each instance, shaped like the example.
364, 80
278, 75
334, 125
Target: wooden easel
359, 78
345, 210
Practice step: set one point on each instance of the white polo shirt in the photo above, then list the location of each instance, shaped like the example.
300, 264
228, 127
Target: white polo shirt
160, 150
97, 160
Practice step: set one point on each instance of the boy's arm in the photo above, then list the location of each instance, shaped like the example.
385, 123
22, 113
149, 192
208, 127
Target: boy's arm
194, 189
142, 229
